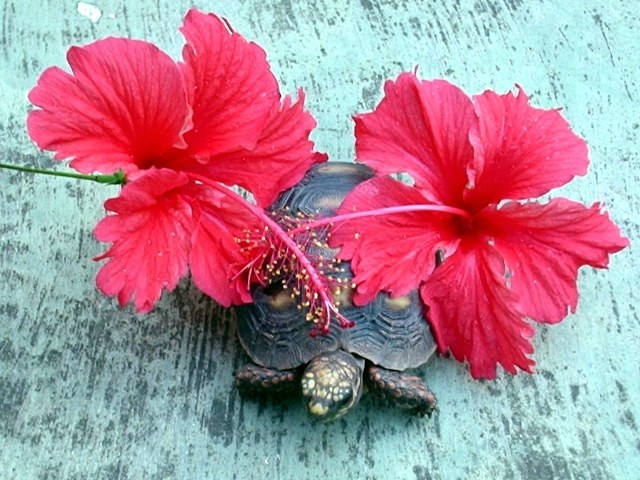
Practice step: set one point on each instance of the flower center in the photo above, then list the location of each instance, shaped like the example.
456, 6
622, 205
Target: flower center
463, 226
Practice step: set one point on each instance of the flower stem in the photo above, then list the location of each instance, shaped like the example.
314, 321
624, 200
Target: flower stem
379, 211
117, 178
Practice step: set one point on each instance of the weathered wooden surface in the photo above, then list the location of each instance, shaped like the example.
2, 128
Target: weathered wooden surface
88, 390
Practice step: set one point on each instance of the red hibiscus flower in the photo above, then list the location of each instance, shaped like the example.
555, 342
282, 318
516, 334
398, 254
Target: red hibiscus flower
505, 261
182, 132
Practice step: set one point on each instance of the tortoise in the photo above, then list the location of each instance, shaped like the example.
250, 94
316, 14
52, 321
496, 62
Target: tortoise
390, 335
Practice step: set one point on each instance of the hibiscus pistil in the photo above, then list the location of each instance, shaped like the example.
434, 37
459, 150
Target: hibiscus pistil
280, 251
336, 220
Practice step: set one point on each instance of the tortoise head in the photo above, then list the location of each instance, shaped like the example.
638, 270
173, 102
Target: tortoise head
332, 384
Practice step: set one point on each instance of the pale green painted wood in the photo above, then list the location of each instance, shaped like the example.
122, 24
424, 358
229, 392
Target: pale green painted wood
88, 390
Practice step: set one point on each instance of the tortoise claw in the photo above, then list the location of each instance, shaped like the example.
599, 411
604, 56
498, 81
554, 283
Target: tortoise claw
403, 390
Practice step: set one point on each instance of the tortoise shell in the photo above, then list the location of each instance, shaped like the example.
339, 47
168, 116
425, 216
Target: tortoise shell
389, 332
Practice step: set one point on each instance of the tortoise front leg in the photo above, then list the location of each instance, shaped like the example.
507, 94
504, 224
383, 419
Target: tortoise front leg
253, 378
401, 389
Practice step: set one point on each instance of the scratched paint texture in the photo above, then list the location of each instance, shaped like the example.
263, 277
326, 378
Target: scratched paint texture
89, 390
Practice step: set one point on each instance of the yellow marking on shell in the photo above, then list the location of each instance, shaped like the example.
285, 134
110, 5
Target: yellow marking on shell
342, 294
398, 303
282, 299
328, 202
337, 167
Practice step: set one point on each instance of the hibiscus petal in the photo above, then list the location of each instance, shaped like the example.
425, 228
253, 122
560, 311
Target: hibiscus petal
123, 105
230, 85
545, 245
474, 314
392, 252
282, 156
420, 128
216, 258
150, 230
520, 151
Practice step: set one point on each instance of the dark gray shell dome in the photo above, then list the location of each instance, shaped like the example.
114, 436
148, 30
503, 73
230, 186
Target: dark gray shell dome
390, 332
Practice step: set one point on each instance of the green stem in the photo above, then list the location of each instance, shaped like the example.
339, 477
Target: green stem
117, 178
